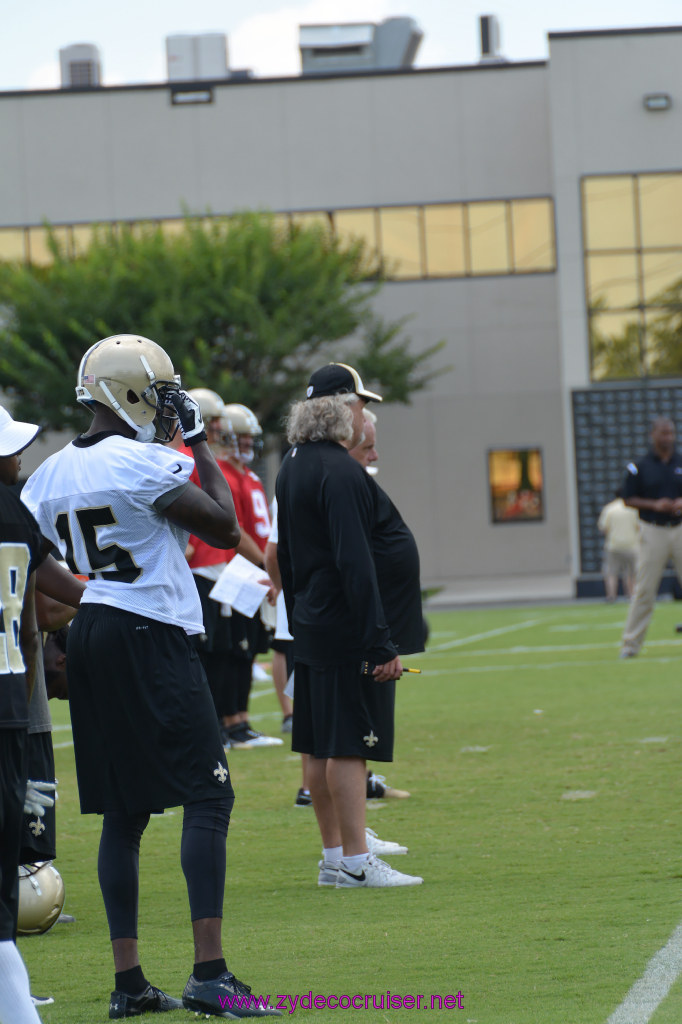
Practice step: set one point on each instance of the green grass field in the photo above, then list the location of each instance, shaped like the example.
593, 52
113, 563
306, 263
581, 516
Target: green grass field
544, 817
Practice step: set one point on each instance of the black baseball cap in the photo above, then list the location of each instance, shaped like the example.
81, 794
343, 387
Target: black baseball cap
338, 379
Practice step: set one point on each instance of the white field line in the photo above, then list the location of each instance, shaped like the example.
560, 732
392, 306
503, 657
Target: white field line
549, 648
647, 994
578, 627
484, 636
534, 665
255, 694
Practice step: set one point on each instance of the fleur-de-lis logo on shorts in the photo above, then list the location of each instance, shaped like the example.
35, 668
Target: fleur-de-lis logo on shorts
220, 773
36, 827
371, 739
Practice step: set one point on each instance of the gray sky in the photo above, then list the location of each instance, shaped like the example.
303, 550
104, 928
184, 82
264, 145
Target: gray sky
263, 34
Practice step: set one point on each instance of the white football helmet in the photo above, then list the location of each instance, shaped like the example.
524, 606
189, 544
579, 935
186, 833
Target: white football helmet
210, 403
41, 897
245, 424
133, 376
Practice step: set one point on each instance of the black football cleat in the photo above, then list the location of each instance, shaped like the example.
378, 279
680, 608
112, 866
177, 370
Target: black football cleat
150, 1000
225, 997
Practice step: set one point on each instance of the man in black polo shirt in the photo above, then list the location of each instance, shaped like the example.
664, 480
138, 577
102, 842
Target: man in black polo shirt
338, 548
654, 487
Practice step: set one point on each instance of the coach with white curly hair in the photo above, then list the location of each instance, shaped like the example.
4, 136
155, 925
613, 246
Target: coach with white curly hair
333, 547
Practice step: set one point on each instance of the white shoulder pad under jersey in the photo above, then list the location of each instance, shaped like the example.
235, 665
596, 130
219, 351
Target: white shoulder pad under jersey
99, 503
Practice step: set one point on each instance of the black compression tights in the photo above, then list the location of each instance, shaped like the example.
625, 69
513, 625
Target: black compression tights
202, 855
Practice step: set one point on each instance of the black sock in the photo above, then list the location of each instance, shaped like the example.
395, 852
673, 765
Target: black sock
131, 981
207, 970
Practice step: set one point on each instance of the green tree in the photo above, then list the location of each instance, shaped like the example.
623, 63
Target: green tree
243, 305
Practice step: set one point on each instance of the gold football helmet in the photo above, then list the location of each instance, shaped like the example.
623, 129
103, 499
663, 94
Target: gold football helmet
41, 897
210, 403
244, 424
133, 376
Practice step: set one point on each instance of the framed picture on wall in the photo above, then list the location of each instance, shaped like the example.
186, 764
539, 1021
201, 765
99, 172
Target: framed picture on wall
515, 481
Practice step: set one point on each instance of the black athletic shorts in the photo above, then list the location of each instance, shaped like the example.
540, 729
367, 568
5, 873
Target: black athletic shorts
217, 635
249, 636
12, 793
39, 834
340, 713
145, 731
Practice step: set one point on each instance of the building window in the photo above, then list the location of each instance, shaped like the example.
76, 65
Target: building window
401, 241
438, 240
516, 485
488, 238
632, 230
445, 240
13, 245
533, 245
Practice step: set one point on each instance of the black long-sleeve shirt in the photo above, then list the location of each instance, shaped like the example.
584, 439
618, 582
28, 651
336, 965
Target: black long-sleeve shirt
328, 511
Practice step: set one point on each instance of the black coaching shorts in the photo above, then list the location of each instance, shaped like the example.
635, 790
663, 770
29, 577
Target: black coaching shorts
340, 713
145, 732
249, 636
217, 635
39, 834
12, 793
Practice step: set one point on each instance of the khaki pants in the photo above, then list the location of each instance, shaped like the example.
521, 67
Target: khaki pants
659, 544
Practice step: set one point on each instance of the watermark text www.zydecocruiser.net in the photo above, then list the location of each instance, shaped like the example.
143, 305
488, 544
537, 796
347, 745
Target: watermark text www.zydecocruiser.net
308, 1001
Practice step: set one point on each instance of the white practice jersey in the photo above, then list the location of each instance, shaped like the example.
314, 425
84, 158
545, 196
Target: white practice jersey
282, 625
99, 500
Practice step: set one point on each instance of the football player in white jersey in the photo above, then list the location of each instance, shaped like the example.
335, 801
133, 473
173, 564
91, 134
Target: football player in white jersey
120, 509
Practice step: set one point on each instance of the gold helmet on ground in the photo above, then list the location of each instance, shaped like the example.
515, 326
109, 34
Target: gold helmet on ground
41, 897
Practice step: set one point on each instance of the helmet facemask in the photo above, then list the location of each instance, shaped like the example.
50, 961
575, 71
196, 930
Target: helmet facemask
166, 422
249, 455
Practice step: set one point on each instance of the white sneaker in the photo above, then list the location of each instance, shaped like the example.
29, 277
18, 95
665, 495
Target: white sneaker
259, 675
374, 874
382, 847
246, 738
328, 873
259, 740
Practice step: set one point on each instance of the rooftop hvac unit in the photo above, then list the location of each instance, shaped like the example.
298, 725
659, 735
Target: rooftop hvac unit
359, 47
490, 39
196, 58
81, 66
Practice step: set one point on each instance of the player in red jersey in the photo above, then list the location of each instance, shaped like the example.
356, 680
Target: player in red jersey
242, 442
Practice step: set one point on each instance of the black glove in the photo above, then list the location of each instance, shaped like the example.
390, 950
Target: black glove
189, 414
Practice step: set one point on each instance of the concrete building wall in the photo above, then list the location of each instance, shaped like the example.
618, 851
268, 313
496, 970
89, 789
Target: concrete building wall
282, 145
499, 388
599, 125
